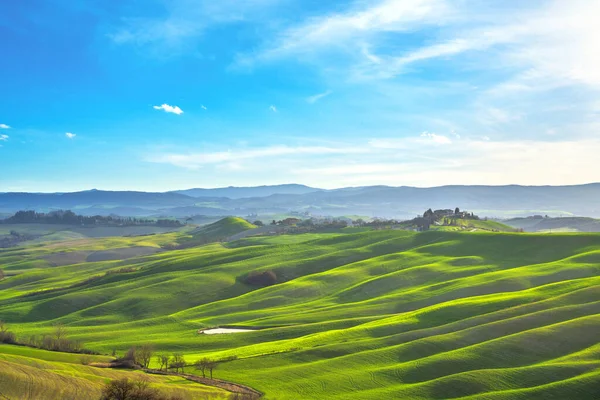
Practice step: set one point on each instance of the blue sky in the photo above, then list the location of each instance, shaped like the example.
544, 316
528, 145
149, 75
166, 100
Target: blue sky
160, 95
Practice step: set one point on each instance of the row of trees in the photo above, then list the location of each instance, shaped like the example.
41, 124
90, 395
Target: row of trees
143, 355
55, 341
68, 217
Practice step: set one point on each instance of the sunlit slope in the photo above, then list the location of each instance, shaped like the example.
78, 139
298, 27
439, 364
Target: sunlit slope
31, 374
383, 314
223, 228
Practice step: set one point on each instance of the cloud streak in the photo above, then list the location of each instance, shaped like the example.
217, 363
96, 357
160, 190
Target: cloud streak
4, 126
70, 135
4, 138
317, 97
420, 160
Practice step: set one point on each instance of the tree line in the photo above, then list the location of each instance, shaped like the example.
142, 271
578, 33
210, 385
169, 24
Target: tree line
57, 340
68, 217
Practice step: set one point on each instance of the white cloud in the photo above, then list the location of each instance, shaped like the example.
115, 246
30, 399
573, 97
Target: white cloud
435, 138
169, 109
70, 135
4, 138
203, 107
4, 126
317, 97
273, 108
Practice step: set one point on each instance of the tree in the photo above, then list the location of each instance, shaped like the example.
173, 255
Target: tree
60, 332
177, 362
163, 361
200, 365
261, 278
124, 389
6, 336
144, 355
118, 389
258, 223
457, 211
210, 365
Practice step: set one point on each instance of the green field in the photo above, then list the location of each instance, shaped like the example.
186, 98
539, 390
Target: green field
28, 374
367, 315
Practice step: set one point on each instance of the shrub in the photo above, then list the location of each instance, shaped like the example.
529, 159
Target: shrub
124, 389
6, 336
261, 278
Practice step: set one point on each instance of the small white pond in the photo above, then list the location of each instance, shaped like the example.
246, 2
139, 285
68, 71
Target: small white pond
217, 331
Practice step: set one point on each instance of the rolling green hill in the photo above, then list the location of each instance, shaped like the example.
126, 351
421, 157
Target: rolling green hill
31, 374
369, 315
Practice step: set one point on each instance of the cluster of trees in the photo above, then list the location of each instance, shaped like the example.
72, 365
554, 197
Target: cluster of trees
378, 223
445, 217
68, 217
14, 238
261, 278
125, 389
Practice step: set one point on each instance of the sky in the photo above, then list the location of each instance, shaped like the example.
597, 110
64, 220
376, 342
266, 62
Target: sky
160, 95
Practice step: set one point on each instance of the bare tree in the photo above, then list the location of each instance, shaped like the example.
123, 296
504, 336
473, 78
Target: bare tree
163, 361
60, 332
144, 355
200, 365
210, 365
177, 362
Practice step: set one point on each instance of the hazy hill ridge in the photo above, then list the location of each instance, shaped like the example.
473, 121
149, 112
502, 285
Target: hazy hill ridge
384, 201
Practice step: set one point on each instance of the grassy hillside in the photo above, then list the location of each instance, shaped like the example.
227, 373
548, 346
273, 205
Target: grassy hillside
221, 230
370, 315
457, 224
570, 224
31, 374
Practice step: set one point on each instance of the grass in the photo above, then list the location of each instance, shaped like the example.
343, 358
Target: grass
355, 315
29, 374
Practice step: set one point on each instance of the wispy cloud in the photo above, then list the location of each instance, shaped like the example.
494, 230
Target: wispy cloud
169, 109
4, 138
70, 135
355, 27
273, 108
182, 24
416, 160
200, 159
4, 126
203, 107
317, 97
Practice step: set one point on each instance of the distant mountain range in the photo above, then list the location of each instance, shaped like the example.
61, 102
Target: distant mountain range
371, 201
233, 192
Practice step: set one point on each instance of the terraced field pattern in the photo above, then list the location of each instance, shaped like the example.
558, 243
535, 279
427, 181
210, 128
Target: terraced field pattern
384, 314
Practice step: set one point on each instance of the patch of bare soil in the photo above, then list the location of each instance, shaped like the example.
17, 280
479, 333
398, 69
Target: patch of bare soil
67, 258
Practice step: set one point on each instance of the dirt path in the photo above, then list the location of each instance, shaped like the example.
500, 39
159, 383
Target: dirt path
246, 392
